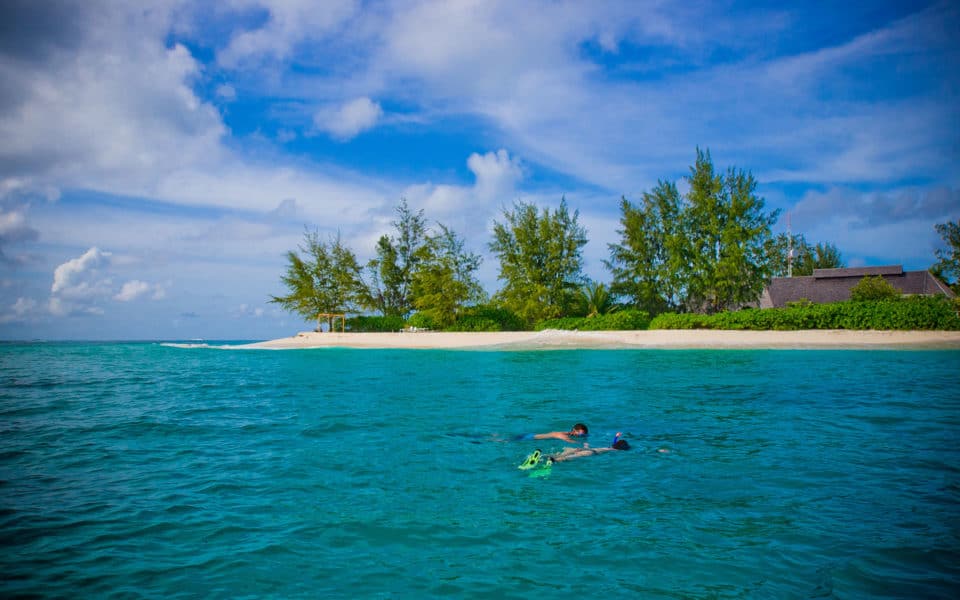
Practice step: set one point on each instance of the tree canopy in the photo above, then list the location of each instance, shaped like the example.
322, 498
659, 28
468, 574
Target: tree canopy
445, 281
595, 300
324, 277
415, 268
873, 288
541, 260
806, 257
729, 232
398, 257
708, 249
647, 264
947, 266
705, 251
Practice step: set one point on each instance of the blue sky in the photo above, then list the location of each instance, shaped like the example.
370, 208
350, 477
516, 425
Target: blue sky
160, 158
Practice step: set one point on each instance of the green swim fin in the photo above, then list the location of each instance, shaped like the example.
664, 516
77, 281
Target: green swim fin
543, 470
531, 461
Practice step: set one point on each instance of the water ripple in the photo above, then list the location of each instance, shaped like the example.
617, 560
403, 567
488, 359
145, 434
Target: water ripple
141, 470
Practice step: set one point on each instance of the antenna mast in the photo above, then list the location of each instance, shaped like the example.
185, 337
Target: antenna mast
790, 246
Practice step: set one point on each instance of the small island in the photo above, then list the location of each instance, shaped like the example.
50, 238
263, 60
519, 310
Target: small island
700, 269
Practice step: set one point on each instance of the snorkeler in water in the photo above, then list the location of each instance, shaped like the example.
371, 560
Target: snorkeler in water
571, 453
577, 431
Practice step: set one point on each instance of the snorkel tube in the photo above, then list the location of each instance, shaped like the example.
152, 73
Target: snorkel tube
619, 444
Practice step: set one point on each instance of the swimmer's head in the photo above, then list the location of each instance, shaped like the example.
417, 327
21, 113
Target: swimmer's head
621, 445
579, 429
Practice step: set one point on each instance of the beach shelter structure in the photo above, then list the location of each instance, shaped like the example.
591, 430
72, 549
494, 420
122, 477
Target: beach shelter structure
834, 285
331, 321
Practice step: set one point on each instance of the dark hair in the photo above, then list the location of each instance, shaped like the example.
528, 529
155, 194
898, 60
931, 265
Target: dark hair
580, 427
621, 445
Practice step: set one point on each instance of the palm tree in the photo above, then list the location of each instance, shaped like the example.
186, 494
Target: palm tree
595, 299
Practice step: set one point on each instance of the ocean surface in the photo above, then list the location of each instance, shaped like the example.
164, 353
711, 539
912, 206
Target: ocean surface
145, 470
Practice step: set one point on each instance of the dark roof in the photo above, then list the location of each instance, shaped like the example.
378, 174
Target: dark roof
858, 272
833, 285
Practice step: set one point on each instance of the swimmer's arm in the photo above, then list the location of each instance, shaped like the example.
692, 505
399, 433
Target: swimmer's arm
554, 435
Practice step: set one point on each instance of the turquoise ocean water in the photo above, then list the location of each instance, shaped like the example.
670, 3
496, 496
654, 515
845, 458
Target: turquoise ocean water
144, 470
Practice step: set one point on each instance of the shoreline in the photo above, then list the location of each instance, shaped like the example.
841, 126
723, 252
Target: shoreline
553, 339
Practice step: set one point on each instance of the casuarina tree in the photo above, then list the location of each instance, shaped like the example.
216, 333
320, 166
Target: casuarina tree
541, 260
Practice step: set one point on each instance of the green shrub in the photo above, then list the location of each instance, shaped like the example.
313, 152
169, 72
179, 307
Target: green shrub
680, 321
624, 320
487, 318
374, 324
873, 288
915, 313
420, 321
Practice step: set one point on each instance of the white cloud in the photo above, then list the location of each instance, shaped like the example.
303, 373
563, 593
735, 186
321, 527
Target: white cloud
22, 310
518, 65
350, 119
160, 291
227, 92
116, 107
132, 290
75, 273
14, 229
84, 284
497, 176
863, 210
80, 284
496, 173
857, 221
245, 310
289, 23
470, 209
113, 114
490, 59
320, 192
118, 114
13, 224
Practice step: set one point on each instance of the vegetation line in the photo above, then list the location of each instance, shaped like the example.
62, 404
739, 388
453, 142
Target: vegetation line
694, 260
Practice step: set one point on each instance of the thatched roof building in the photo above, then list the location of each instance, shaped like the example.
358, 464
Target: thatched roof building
833, 285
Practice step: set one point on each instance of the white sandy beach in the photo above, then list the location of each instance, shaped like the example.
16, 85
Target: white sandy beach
660, 338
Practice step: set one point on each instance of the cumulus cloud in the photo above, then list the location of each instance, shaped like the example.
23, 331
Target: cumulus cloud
102, 98
84, 284
467, 209
873, 209
857, 221
350, 119
79, 284
527, 76
76, 273
13, 225
114, 111
132, 290
496, 173
113, 108
288, 24
14, 229
23, 309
